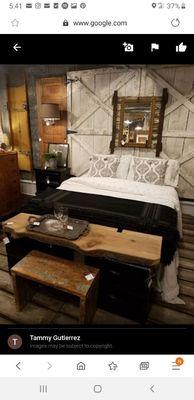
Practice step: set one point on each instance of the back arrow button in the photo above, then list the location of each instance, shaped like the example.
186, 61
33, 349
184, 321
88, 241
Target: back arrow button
152, 389
16, 47
18, 365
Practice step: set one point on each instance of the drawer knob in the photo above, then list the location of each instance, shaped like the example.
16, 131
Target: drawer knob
116, 273
112, 297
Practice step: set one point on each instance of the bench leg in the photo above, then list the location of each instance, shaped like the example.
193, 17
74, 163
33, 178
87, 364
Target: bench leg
88, 304
23, 291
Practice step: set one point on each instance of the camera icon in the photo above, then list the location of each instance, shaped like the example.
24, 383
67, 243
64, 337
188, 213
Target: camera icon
128, 47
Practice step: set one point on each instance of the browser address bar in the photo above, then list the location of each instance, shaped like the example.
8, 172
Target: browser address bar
91, 16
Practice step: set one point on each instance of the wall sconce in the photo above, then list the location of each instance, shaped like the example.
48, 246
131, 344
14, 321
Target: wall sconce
50, 113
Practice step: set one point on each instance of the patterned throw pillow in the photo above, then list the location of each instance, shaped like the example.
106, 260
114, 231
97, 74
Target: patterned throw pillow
149, 171
103, 166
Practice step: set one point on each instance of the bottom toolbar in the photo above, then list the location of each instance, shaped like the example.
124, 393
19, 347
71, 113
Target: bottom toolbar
97, 366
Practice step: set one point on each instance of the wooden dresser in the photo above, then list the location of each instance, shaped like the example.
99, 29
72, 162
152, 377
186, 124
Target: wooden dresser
10, 195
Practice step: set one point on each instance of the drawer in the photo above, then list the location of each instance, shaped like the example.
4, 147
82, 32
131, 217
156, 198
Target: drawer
2, 197
130, 278
13, 200
134, 308
11, 204
47, 174
52, 177
123, 275
11, 162
3, 209
12, 181
123, 292
52, 174
12, 169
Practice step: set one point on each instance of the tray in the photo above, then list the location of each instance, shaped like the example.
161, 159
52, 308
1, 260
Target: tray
49, 225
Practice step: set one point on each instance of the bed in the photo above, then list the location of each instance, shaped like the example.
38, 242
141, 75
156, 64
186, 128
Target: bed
115, 193
136, 206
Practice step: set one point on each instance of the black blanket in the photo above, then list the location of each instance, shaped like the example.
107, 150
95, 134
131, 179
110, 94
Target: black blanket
115, 212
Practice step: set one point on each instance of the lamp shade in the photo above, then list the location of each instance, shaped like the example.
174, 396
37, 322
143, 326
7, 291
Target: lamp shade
50, 111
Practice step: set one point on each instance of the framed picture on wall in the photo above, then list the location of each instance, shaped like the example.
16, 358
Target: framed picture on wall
62, 151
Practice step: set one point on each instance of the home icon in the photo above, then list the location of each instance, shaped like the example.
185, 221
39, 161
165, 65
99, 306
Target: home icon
81, 366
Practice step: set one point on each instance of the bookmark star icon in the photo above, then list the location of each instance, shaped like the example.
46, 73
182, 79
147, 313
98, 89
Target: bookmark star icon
15, 23
113, 366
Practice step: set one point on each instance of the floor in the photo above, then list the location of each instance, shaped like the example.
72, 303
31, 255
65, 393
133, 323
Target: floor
49, 308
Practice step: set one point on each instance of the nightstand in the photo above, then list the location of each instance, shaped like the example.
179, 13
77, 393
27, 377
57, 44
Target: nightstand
52, 178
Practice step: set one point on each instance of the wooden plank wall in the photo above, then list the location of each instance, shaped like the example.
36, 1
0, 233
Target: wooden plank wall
90, 113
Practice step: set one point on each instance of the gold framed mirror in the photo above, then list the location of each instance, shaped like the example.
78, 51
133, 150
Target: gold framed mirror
136, 122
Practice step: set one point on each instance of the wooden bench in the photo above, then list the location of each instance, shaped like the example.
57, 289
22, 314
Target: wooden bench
127, 261
101, 241
64, 275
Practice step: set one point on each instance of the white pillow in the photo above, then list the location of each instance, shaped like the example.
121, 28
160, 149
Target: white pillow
172, 173
148, 170
102, 165
123, 167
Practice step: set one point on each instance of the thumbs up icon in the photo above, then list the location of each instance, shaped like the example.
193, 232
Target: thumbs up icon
181, 48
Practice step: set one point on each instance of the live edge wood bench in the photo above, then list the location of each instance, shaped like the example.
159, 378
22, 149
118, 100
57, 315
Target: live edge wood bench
126, 261
64, 275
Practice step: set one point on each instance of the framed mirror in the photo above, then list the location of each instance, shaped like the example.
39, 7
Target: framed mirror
136, 122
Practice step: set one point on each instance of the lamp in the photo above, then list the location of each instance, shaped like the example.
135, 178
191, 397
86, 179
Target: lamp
50, 113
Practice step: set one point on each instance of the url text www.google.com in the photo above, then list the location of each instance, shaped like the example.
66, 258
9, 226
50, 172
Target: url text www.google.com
99, 23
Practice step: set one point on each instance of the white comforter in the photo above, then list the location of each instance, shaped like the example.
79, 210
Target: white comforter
125, 189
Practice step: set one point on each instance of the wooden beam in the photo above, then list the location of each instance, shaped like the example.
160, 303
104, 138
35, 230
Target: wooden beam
114, 126
178, 134
83, 171
174, 92
186, 157
187, 178
164, 155
101, 103
178, 103
161, 122
182, 160
120, 82
83, 145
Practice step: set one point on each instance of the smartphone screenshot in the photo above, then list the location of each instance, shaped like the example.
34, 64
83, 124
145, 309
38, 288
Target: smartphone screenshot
96, 199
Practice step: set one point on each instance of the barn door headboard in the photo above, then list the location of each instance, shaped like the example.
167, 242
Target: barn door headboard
90, 114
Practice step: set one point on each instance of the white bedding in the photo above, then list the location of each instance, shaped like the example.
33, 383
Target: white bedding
125, 189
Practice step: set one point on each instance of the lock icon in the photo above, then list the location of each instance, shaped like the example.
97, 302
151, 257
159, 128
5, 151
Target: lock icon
65, 22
